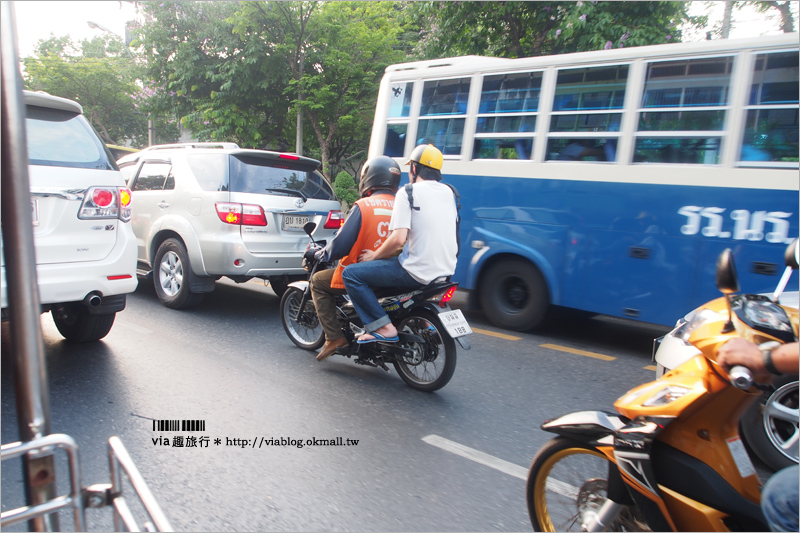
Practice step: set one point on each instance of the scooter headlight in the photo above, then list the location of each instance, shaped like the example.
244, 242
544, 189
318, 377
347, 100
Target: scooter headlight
694, 320
666, 396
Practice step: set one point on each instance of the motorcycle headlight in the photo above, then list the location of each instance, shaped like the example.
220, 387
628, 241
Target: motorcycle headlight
666, 396
694, 320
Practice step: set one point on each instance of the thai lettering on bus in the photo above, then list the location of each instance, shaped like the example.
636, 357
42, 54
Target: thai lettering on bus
709, 222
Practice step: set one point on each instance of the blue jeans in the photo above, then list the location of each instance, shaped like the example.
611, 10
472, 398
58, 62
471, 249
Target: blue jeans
359, 278
779, 499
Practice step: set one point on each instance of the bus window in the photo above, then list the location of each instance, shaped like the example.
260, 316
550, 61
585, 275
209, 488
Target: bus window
445, 133
587, 100
505, 148
771, 128
395, 140
400, 103
686, 98
443, 97
509, 104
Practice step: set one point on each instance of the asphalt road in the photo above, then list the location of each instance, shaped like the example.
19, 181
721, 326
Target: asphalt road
453, 460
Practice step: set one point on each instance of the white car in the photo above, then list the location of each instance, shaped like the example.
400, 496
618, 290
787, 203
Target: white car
81, 210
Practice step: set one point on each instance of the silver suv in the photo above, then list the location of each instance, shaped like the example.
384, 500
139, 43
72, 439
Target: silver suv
207, 210
81, 208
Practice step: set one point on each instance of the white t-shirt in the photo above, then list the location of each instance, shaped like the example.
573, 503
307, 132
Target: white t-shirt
431, 248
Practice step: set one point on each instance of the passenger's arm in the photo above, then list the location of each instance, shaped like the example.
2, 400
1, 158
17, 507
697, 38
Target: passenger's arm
393, 242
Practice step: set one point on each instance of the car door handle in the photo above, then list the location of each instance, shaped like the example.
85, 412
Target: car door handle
163, 205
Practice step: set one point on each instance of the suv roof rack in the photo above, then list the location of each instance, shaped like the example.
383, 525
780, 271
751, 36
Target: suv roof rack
223, 145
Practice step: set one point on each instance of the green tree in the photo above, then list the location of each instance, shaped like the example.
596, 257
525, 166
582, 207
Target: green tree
218, 86
342, 81
232, 71
346, 189
100, 75
526, 29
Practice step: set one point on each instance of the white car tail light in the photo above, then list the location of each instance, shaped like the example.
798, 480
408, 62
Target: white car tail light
106, 202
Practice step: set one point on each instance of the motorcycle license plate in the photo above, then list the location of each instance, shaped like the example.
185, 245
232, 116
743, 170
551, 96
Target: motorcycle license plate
294, 222
455, 323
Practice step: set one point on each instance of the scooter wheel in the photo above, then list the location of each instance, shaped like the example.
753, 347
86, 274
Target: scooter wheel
567, 484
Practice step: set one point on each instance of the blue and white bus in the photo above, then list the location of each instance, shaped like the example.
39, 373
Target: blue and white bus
609, 181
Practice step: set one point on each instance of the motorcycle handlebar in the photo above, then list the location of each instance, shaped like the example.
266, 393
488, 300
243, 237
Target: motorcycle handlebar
741, 377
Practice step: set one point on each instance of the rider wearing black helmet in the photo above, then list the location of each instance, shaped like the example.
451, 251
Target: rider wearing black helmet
366, 227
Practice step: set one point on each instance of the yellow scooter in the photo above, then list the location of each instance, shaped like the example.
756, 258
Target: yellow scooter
671, 457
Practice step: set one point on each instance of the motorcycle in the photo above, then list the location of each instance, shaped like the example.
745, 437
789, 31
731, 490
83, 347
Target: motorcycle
425, 355
770, 426
671, 457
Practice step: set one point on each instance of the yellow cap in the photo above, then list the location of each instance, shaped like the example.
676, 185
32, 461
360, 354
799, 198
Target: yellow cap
428, 155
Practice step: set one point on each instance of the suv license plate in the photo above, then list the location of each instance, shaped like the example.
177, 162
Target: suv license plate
455, 323
294, 222
35, 209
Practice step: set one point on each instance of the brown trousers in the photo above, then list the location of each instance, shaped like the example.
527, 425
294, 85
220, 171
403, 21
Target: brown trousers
324, 301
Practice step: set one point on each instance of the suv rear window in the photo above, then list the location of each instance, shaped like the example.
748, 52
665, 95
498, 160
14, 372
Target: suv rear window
255, 175
63, 139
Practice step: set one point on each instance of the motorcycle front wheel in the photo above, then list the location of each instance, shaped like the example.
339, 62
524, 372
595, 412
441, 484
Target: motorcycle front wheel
567, 485
433, 362
305, 331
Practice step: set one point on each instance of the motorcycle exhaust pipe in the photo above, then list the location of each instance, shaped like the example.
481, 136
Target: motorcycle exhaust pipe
92, 300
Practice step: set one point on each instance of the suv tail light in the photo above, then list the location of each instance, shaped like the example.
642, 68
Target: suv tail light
106, 202
335, 220
241, 214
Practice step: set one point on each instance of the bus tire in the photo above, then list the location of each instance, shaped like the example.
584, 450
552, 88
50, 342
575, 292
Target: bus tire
514, 295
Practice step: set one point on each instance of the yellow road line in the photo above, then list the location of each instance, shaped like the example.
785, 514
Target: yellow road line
651, 367
578, 352
495, 334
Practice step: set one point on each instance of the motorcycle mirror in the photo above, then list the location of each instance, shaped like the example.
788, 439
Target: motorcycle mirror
727, 283
792, 254
309, 228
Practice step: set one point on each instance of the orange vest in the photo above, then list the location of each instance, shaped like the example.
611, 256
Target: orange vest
376, 212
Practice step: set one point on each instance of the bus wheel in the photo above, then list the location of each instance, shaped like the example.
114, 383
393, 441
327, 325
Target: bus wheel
514, 295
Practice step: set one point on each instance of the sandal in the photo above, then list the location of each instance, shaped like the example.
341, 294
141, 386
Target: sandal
377, 337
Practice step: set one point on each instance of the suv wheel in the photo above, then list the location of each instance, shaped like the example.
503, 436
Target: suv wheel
171, 276
76, 324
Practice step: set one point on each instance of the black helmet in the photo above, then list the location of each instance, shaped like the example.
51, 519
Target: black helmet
380, 172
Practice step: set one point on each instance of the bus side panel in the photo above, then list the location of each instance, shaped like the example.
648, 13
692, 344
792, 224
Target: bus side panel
636, 275
541, 244
650, 250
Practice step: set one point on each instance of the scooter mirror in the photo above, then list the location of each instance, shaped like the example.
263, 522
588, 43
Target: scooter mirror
309, 228
792, 254
727, 281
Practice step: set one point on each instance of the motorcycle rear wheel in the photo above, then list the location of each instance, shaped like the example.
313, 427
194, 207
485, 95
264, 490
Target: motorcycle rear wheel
567, 482
308, 333
433, 363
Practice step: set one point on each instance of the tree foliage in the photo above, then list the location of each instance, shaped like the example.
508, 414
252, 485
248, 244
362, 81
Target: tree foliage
346, 189
232, 71
526, 29
98, 74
